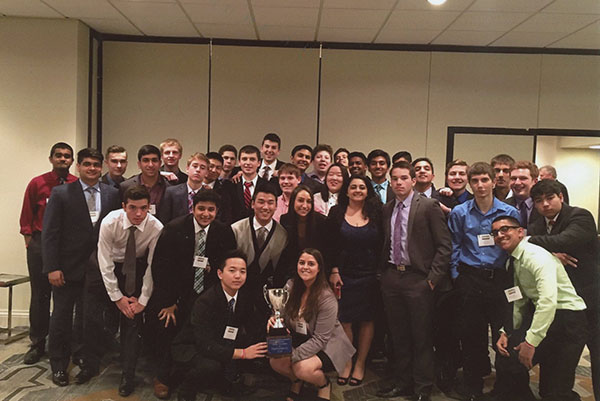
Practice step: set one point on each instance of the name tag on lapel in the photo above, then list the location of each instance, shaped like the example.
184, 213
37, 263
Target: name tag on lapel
94, 216
230, 333
200, 262
513, 294
153, 209
301, 327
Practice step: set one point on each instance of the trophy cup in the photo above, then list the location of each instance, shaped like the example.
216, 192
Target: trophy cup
279, 342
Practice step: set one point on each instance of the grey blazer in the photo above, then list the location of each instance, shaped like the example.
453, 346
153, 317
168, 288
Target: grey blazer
174, 203
326, 334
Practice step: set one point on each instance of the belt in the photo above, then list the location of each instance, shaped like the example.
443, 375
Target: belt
400, 268
482, 272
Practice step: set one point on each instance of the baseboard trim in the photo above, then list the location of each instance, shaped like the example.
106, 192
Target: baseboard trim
19, 317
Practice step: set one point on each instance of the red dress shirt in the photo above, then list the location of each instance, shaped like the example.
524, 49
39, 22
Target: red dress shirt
34, 203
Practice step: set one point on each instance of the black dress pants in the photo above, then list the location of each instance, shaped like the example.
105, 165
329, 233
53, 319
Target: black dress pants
199, 373
41, 290
409, 303
481, 306
558, 355
593, 343
62, 330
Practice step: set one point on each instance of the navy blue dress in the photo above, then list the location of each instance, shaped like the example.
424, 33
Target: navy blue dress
357, 268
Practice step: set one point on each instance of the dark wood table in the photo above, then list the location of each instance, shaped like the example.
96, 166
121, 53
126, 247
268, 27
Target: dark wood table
9, 281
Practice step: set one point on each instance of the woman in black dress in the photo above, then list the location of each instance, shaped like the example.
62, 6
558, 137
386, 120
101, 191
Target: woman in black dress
355, 239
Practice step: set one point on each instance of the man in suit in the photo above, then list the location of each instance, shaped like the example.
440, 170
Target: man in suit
32, 215
69, 240
116, 162
301, 158
548, 172
416, 255
178, 199
229, 154
239, 195
263, 240
207, 349
502, 165
184, 263
456, 191
522, 177
425, 175
570, 233
477, 265
321, 156
402, 155
269, 151
213, 181
379, 165
149, 164
126, 245
171, 152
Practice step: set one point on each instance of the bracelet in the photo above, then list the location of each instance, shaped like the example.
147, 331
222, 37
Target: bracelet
243, 353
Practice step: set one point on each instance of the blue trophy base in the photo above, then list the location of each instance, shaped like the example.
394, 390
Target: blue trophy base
279, 346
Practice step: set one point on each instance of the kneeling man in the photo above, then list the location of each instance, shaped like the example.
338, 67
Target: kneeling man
558, 330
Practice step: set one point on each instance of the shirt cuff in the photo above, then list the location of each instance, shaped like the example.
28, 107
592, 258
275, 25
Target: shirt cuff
143, 300
115, 295
533, 339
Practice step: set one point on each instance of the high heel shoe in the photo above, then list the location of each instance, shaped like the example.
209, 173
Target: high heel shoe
327, 383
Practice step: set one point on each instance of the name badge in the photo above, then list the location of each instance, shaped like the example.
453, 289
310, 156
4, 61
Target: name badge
485, 240
94, 216
200, 262
153, 209
47, 199
513, 294
301, 327
230, 333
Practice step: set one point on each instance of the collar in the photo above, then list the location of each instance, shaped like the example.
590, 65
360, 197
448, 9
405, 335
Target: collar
189, 189
160, 181
253, 181
271, 166
384, 184
406, 202
528, 202
427, 193
210, 185
85, 186
518, 251
495, 204
229, 297
553, 219
127, 223
198, 227
257, 225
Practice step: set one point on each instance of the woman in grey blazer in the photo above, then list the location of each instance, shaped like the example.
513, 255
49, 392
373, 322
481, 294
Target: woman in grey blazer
320, 343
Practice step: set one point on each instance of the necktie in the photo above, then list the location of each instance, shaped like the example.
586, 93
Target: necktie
200, 248
550, 225
261, 236
247, 194
378, 188
230, 310
129, 263
191, 201
510, 279
265, 174
91, 200
523, 213
398, 235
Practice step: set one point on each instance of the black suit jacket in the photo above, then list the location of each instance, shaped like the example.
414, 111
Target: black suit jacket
533, 217
203, 334
224, 213
235, 198
574, 233
172, 265
428, 240
68, 237
174, 203
105, 180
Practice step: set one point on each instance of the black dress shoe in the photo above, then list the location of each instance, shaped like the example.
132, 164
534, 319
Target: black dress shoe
60, 378
394, 392
33, 356
84, 375
126, 387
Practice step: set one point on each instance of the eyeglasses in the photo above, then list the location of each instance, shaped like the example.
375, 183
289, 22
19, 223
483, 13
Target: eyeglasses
503, 230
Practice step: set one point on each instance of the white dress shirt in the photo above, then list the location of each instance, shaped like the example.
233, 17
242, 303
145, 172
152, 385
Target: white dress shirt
272, 166
112, 243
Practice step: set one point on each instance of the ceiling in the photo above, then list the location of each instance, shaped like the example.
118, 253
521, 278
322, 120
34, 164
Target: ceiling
521, 23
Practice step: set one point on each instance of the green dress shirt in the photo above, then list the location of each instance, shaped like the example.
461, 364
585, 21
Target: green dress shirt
542, 278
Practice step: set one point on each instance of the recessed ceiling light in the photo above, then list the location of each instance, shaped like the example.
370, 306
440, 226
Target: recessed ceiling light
436, 2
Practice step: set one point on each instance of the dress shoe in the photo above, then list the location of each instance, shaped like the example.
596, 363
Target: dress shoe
394, 392
126, 387
161, 390
84, 375
33, 355
60, 378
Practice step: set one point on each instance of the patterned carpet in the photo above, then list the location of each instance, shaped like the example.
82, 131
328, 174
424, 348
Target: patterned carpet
20, 382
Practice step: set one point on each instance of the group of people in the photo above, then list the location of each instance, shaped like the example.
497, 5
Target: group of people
374, 258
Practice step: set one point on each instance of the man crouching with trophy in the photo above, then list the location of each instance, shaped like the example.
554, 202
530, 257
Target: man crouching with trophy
319, 344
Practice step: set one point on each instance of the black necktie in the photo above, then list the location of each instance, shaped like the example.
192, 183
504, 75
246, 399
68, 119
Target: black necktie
129, 263
230, 310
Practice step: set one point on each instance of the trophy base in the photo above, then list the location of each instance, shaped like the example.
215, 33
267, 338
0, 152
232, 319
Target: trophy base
279, 346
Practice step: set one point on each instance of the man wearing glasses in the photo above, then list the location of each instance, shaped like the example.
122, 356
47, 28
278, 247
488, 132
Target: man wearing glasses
557, 333
477, 266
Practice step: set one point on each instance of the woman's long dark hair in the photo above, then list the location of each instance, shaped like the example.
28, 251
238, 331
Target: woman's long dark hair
372, 206
310, 220
345, 176
292, 307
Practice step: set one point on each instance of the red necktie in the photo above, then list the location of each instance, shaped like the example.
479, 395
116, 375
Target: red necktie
247, 194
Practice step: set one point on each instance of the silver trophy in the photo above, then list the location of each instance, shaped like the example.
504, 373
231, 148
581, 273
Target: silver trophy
276, 298
279, 342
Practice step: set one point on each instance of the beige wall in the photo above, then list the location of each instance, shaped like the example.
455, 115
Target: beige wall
43, 87
393, 100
